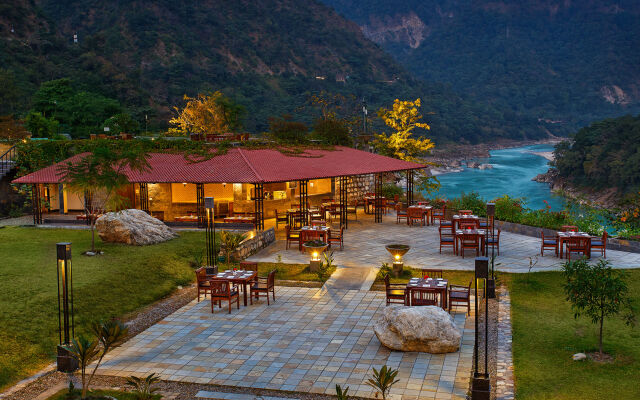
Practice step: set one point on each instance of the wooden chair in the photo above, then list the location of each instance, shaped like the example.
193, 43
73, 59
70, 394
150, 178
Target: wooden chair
600, 244
438, 214
459, 294
292, 236
318, 223
465, 212
446, 239
400, 213
423, 298
316, 216
569, 228
249, 266
395, 292
469, 241
353, 209
578, 244
415, 214
264, 285
548, 243
494, 242
467, 225
339, 239
221, 289
281, 218
431, 273
202, 282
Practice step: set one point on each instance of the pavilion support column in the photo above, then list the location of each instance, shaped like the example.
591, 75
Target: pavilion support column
378, 197
409, 187
62, 199
200, 205
35, 201
144, 197
258, 205
304, 200
343, 202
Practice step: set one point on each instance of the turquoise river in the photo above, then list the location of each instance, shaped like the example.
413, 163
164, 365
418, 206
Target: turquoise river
511, 174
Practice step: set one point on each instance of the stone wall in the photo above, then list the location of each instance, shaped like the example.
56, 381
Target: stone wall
534, 231
253, 245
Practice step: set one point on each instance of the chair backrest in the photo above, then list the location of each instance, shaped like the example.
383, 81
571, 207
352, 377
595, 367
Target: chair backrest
569, 228
469, 238
468, 225
396, 198
271, 279
220, 288
578, 242
287, 230
431, 273
201, 274
387, 282
441, 230
249, 266
604, 238
414, 212
465, 212
318, 222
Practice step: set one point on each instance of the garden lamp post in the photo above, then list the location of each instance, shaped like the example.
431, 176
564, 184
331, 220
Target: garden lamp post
481, 387
66, 362
210, 232
491, 281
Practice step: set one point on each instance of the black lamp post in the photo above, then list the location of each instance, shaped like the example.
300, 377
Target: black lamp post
481, 387
491, 281
66, 362
210, 234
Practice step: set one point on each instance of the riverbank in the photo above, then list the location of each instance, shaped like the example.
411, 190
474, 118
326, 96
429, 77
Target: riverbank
607, 198
451, 158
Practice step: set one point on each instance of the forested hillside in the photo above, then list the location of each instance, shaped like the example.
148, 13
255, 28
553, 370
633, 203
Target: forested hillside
605, 154
566, 63
141, 58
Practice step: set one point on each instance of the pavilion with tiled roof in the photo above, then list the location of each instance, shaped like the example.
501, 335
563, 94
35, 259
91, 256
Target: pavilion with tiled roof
242, 181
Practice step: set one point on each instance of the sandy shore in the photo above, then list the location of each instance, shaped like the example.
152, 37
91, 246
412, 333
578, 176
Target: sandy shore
546, 154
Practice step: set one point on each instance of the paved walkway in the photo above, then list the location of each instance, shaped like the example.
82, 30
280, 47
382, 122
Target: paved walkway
364, 252
309, 340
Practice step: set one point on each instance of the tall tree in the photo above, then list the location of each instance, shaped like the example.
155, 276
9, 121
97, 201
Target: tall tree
99, 174
213, 113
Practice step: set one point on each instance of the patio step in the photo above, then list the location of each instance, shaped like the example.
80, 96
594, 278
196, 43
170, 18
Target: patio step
203, 394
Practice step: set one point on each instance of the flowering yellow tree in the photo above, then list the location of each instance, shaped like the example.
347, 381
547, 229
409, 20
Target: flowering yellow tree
404, 117
212, 113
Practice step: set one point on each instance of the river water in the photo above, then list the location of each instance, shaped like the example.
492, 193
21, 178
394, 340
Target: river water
511, 174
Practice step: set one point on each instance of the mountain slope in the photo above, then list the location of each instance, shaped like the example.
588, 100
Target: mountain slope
564, 62
268, 55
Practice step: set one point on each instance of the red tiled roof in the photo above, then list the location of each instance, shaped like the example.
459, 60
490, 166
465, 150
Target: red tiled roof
248, 166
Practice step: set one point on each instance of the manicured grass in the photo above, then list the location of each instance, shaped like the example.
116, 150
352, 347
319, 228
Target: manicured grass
546, 335
123, 279
291, 272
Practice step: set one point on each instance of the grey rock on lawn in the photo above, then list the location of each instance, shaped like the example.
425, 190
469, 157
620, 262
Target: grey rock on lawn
427, 329
132, 226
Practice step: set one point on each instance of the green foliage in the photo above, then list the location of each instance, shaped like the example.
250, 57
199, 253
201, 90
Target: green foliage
469, 201
286, 130
85, 351
598, 291
509, 208
325, 269
332, 131
342, 394
230, 242
389, 190
41, 127
603, 155
383, 380
122, 123
143, 387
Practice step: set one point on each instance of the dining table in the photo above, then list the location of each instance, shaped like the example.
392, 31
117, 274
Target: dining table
312, 233
239, 219
456, 220
239, 277
477, 232
427, 286
564, 237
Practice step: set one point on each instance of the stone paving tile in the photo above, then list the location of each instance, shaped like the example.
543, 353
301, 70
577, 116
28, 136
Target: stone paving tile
505, 386
365, 241
309, 340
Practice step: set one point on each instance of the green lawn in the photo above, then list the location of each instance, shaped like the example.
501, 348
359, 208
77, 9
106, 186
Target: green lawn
545, 336
291, 272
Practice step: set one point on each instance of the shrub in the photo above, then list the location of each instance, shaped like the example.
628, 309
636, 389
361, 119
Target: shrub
390, 190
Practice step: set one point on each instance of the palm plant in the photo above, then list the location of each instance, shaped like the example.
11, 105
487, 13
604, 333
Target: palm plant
231, 241
108, 335
143, 387
383, 380
342, 394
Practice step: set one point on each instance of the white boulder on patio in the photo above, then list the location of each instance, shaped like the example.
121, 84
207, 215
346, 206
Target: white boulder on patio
134, 227
427, 329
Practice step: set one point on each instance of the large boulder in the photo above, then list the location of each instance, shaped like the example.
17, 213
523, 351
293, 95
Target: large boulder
132, 227
428, 329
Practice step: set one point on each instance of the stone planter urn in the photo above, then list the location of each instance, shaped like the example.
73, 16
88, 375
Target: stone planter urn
315, 248
397, 251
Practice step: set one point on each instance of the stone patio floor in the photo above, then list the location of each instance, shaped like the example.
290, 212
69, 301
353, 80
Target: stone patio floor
309, 340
